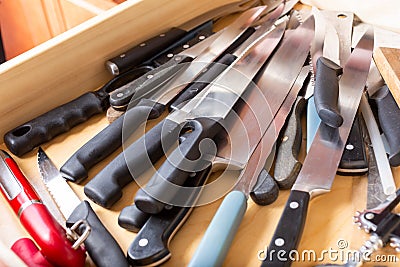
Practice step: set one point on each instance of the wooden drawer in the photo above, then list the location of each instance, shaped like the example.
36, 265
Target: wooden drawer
71, 63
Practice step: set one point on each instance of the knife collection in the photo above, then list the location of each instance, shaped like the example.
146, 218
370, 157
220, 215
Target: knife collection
222, 102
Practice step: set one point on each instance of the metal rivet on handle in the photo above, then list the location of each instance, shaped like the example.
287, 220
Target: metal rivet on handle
149, 76
170, 55
120, 95
202, 37
186, 46
143, 242
279, 242
142, 44
349, 147
294, 205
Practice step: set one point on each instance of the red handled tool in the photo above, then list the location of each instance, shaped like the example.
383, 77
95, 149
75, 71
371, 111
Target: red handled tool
34, 216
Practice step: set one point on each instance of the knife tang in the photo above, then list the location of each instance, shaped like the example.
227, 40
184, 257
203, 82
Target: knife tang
287, 165
150, 246
326, 92
354, 159
289, 230
145, 51
181, 163
388, 115
100, 244
59, 120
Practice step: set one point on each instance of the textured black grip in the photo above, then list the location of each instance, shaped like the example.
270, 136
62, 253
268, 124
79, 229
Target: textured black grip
132, 219
203, 80
178, 167
147, 83
100, 244
389, 114
50, 124
266, 190
289, 230
146, 50
326, 92
106, 187
354, 159
287, 166
108, 140
160, 228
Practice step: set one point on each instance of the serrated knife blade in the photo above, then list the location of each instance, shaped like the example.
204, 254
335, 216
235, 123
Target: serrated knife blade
62, 193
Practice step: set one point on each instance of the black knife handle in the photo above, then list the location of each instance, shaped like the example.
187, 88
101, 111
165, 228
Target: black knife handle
388, 115
354, 159
289, 230
149, 82
132, 219
144, 51
326, 92
203, 80
106, 187
287, 165
100, 244
76, 168
180, 164
52, 123
266, 190
160, 228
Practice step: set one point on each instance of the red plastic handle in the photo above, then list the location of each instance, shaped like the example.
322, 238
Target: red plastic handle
27, 251
35, 217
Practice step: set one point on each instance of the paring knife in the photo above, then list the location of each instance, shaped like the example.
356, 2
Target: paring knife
101, 246
167, 86
205, 116
34, 216
106, 188
160, 44
322, 160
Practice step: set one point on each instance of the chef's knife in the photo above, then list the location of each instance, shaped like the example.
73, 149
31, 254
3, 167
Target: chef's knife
106, 188
217, 239
322, 160
205, 116
101, 246
157, 45
35, 217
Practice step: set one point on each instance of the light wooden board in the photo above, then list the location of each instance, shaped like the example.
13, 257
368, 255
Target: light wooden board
388, 62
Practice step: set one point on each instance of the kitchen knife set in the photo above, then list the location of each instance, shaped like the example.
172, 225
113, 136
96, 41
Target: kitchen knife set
232, 96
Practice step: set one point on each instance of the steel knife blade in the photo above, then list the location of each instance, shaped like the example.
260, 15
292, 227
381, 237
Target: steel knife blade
320, 165
100, 244
105, 191
205, 115
165, 82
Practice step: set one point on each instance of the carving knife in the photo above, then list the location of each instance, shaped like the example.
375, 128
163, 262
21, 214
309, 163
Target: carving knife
322, 160
160, 44
101, 246
167, 86
206, 116
106, 187
35, 217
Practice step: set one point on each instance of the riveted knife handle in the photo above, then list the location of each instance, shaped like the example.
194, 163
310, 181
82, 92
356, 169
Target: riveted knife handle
144, 51
132, 219
180, 164
147, 83
354, 159
289, 230
106, 187
203, 80
108, 140
287, 165
388, 115
326, 92
100, 244
217, 239
160, 228
52, 123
